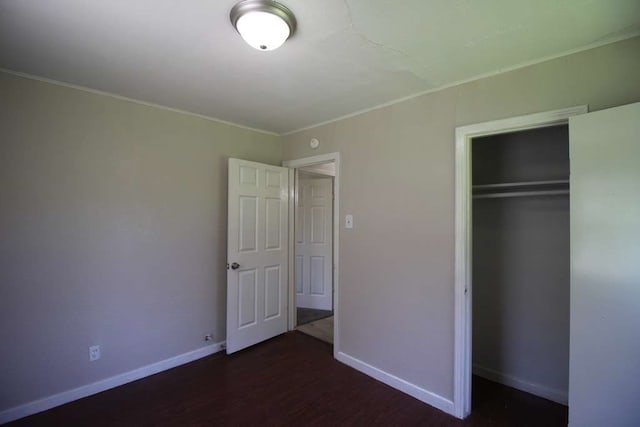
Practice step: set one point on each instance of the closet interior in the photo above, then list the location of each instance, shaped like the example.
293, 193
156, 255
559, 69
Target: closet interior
520, 279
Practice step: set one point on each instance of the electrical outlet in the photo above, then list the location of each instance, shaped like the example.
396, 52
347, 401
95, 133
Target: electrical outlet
94, 353
208, 337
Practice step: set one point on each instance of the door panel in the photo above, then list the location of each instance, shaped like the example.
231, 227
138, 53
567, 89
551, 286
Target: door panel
257, 245
248, 224
299, 275
274, 231
272, 306
248, 290
604, 367
317, 275
314, 248
318, 224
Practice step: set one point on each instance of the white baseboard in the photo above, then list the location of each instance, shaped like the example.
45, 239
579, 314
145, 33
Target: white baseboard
102, 385
413, 390
555, 395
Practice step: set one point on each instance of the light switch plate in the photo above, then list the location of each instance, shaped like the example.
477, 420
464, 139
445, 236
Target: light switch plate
94, 353
348, 221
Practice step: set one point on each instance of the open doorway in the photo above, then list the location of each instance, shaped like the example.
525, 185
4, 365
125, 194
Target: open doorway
313, 230
313, 246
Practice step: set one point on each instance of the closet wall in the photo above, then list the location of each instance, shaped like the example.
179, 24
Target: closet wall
521, 261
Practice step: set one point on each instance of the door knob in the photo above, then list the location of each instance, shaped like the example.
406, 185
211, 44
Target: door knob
235, 266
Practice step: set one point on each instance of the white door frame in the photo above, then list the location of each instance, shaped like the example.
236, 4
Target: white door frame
463, 230
295, 164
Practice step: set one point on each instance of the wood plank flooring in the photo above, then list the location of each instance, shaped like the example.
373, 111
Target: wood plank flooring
289, 380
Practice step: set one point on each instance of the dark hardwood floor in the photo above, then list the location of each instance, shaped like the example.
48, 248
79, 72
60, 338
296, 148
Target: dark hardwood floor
289, 380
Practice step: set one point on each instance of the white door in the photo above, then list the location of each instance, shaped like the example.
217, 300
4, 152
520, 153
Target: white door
314, 244
257, 253
604, 368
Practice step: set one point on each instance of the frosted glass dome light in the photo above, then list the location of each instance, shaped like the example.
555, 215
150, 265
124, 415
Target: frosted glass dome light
263, 30
264, 25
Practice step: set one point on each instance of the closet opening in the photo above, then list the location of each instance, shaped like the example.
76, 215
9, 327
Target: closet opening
512, 268
520, 269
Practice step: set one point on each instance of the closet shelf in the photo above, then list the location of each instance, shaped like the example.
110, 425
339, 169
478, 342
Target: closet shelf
521, 189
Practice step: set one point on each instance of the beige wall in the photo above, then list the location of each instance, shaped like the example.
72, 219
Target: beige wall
113, 224
397, 179
113, 221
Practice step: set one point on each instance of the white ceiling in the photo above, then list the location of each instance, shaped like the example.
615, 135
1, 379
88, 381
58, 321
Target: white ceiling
346, 56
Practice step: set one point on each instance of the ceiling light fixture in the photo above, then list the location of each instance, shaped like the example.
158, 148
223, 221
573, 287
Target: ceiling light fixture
263, 24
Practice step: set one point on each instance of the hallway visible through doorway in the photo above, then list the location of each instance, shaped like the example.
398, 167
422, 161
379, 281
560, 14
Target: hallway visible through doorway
313, 236
321, 329
317, 323
308, 315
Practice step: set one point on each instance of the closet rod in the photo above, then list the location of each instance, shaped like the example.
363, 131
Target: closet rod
520, 194
521, 184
